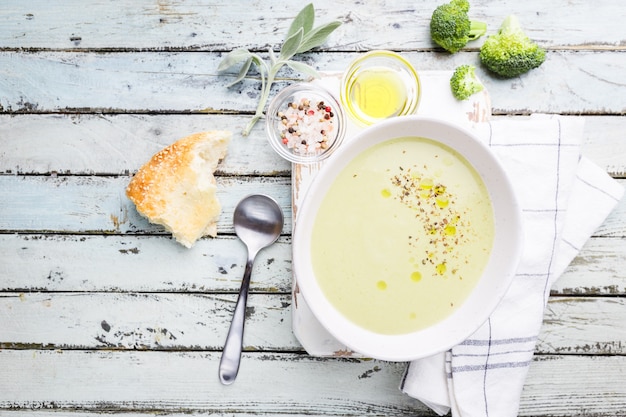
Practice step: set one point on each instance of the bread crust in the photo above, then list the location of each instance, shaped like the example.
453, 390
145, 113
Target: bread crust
176, 187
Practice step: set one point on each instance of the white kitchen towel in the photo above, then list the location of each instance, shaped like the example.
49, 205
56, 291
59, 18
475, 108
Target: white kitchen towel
564, 198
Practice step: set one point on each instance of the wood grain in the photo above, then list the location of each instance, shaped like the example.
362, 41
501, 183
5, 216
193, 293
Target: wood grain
41, 262
195, 25
52, 263
104, 314
186, 382
95, 204
118, 144
589, 82
199, 321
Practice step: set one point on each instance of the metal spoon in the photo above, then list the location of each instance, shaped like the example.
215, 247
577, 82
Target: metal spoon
258, 222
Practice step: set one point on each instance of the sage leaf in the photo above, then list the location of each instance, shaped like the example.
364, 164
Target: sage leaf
233, 58
304, 20
317, 36
272, 56
303, 68
291, 45
242, 72
258, 61
300, 37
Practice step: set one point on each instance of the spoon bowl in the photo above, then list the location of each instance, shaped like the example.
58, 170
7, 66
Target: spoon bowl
258, 222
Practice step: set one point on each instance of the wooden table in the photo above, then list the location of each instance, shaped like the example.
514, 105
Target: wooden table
101, 312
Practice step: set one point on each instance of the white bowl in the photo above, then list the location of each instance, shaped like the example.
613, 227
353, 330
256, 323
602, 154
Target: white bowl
492, 284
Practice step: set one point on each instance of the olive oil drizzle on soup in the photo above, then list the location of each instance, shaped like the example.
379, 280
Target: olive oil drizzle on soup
402, 236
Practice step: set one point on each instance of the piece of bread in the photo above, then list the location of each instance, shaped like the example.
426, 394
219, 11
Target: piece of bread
177, 189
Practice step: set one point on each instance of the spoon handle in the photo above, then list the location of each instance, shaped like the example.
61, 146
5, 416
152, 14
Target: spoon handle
231, 355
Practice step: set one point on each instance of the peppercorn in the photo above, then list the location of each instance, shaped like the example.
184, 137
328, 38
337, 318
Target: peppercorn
302, 121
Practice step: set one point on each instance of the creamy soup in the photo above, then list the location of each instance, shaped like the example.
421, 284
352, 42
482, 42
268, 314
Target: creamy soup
402, 236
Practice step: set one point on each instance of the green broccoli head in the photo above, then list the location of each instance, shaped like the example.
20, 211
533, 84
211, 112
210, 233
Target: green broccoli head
451, 28
464, 82
510, 52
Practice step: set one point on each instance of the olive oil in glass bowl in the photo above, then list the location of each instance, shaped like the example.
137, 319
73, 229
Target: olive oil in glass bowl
380, 85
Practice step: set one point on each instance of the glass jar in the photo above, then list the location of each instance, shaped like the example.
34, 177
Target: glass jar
305, 123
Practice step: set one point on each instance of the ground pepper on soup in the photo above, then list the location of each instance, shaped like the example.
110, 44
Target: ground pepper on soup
402, 236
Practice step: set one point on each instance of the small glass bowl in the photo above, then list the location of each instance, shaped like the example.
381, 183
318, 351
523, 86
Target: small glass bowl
317, 129
380, 85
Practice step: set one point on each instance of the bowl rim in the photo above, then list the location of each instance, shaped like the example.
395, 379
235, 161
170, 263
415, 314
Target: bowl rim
496, 279
279, 100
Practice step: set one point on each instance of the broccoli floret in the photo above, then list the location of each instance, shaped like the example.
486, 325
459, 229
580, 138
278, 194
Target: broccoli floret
510, 52
464, 82
451, 28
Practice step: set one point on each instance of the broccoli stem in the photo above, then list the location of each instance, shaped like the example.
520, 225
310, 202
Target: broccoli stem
510, 24
477, 29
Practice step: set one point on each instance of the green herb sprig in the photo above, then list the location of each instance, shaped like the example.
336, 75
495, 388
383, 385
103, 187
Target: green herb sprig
301, 37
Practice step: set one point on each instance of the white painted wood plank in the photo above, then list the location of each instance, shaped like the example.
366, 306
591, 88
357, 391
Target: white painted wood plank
580, 82
584, 325
572, 386
119, 144
95, 204
116, 144
141, 321
137, 264
195, 413
72, 280
186, 382
35, 262
193, 24
597, 270
605, 143
156, 321
99, 204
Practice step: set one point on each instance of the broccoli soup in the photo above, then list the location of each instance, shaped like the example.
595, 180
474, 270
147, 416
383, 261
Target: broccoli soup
402, 236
